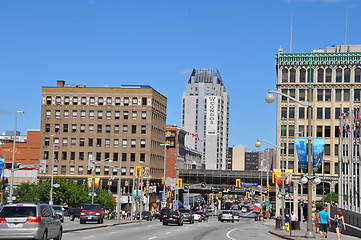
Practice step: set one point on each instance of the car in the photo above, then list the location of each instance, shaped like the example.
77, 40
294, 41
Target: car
204, 216
173, 217
30, 221
187, 215
226, 216
244, 210
146, 215
59, 210
197, 217
92, 212
236, 216
159, 215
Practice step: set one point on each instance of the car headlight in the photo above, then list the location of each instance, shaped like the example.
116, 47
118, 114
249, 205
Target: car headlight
82, 214
97, 214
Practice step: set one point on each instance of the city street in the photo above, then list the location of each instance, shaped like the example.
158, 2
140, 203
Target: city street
246, 228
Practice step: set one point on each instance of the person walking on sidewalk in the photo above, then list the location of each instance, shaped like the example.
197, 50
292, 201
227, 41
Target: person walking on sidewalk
294, 219
340, 223
324, 222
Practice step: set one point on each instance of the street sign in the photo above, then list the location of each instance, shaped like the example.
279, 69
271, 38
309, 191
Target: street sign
249, 184
186, 188
203, 185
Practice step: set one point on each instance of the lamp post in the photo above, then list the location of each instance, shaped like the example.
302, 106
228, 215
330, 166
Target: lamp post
93, 175
270, 99
259, 144
164, 171
52, 172
119, 191
13, 158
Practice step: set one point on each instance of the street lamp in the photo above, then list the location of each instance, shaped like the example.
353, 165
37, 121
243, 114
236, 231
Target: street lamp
282, 194
164, 171
13, 158
270, 99
52, 172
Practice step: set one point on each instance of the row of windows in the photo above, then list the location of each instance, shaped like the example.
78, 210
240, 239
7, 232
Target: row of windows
97, 142
109, 101
326, 166
321, 131
80, 170
91, 114
326, 95
289, 148
82, 128
322, 113
322, 75
98, 155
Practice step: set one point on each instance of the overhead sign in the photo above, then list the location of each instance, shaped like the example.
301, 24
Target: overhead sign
249, 184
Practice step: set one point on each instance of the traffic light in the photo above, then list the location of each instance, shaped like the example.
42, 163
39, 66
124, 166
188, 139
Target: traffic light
211, 196
219, 194
263, 197
268, 188
180, 182
247, 195
238, 182
162, 180
273, 177
169, 194
138, 171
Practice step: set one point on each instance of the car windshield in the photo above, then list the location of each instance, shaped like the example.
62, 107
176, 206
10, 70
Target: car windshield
91, 207
235, 213
57, 208
8, 212
225, 212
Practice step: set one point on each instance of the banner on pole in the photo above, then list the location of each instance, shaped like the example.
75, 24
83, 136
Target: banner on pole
301, 148
2, 163
318, 149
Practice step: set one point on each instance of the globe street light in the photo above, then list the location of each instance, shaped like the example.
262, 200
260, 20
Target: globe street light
13, 158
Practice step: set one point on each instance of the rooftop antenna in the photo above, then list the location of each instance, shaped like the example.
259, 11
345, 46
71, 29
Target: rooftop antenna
346, 27
291, 33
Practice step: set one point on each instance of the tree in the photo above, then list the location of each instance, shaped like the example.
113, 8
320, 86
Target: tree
26, 192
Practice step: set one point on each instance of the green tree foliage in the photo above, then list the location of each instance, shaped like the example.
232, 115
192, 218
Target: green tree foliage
331, 197
26, 192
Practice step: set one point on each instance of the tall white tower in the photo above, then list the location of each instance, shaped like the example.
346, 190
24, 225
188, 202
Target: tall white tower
205, 114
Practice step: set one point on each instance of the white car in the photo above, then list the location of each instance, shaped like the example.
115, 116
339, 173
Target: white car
197, 217
244, 210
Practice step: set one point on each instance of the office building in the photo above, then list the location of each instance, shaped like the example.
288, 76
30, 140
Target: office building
205, 116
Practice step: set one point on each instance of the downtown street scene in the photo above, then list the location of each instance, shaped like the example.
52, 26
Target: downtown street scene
186, 120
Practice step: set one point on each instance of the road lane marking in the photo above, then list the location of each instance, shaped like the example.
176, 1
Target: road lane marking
88, 237
229, 232
179, 230
151, 238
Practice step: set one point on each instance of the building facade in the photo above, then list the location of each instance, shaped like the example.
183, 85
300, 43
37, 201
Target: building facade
205, 116
125, 124
335, 82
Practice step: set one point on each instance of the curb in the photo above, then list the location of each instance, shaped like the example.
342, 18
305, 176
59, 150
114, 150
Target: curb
98, 226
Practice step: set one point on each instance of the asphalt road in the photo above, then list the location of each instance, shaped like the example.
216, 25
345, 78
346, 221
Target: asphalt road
246, 228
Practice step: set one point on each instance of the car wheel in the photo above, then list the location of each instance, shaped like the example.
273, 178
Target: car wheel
99, 221
62, 221
222, 220
45, 236
232, 221
71, 217
82, 222
200, 220
165, 223
60, 235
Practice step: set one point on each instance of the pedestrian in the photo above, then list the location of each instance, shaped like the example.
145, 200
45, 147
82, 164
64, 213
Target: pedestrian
294, 219
316, 222
324, 222
340, 223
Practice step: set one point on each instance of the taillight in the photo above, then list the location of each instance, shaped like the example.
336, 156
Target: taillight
164, 215
33, 219
2, 220
176, 216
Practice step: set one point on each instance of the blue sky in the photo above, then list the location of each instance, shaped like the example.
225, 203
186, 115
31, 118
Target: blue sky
112, 42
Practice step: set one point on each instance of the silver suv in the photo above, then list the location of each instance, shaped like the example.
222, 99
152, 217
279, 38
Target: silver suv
29, 221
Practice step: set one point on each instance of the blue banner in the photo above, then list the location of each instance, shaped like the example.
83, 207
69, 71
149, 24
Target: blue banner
301, 149
2, 163
318, 148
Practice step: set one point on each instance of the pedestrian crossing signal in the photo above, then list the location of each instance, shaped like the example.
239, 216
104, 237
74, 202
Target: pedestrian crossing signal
162, 180
238, 183
138, 171
169, 194
247, 194
180, 182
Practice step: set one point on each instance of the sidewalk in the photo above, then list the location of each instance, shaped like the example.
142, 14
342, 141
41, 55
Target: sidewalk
300, 234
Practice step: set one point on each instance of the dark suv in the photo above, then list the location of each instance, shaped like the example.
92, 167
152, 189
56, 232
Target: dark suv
187, 215
173, 217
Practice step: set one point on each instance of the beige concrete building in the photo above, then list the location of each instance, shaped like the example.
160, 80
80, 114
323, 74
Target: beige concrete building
336, 84
124, 124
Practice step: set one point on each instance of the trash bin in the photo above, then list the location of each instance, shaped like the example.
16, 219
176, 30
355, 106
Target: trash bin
287, 225
278, 223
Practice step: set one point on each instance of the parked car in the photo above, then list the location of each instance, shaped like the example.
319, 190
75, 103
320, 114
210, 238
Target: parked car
92, 212
197, 217
236, 216
29, 221
226, 216
146, 215
59, 210
187, 215
173, 217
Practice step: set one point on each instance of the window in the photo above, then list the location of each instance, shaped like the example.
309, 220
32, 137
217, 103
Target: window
65, 128
124, 157
133, 143
135, 101
75, 100
47, 127
83, 100
56, 155
126, 101
284, 91
319, 94
72, 155
56, 141
357, 75
142, 143
66, 100
142, 157
83, 114
117, 101
134, 128
55, 169
302, 75
327, 113
109, 115
46, 155
48, 114
328, 75
115, 171
116, 114
57, 113
320, 75
97, 170
319, 131
63, 155
125, 143
65, 142
92, 101
338, 95
73, 141
125, 115
73, 128
319, 113
66, 113
116, 128
337, 113
99, 128
109, 101
100, 114
81, 142
106, 170
107, 128
327, 131
291, 148
291, 112
134, 114
99, 142
301, 130
143, 129
107, 142
346, 95
80, 170
63, 169
292, 75
57, 127
115, 156
327, 167
302, 93
100, 101
328, 95
91, 127
337, 131
46, 141
291, 132
124, 170
132, 157
116, 142
338, 75
144, 101
131, 171
125, 128
144, 115
90, 142
81, 155
346, 77
357, 96
57, 100
284, 75
292, 93
82, 128
283, 112
48, 100
91, 114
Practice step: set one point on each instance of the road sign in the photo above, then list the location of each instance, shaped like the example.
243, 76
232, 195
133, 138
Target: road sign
249, 184
186, 188
203, 185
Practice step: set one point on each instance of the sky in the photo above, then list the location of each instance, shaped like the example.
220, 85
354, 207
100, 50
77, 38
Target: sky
103, 43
